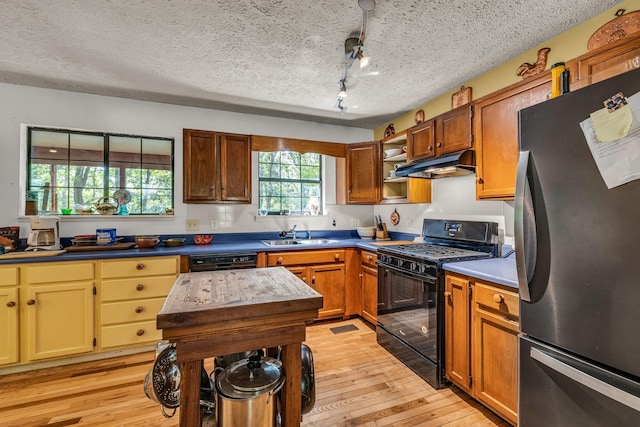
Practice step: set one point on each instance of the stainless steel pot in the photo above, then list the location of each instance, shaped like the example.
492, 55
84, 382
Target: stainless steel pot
246, 392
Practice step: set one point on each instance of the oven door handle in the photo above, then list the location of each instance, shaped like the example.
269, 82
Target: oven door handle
424, 278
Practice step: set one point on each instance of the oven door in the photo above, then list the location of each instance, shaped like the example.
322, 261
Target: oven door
407, 308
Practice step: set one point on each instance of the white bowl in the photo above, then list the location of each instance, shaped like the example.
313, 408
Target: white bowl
390, 152
366, 232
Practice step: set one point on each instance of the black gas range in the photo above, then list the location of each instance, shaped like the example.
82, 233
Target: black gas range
410, 317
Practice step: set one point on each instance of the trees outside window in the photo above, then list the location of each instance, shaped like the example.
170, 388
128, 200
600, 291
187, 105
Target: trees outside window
73, 169
290, 182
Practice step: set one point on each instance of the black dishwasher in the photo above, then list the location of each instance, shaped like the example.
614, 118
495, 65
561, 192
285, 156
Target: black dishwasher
222, 261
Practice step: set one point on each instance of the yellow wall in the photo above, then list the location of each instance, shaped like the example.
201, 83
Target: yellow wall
564, 47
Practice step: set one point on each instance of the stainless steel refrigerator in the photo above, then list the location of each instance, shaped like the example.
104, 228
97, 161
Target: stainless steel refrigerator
578, 256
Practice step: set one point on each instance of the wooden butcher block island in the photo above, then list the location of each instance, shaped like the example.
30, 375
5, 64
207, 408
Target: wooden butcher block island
222, 312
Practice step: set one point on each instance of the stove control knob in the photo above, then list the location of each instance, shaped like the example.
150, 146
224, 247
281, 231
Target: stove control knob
400, 262
415, 267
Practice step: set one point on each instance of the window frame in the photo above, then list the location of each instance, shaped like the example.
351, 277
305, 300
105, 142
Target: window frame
106, 165
319, 182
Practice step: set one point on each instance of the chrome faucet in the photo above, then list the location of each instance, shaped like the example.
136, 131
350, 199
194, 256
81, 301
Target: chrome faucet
291, 234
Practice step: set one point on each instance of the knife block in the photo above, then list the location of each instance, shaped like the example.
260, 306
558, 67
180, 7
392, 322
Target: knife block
382, 234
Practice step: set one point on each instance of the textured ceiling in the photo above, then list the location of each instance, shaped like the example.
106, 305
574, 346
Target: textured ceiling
273, 57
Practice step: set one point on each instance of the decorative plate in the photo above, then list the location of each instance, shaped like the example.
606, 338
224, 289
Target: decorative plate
395, 217
122, 196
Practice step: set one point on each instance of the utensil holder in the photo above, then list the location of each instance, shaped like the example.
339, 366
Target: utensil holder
382, 234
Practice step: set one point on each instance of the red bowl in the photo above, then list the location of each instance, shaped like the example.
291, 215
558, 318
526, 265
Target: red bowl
202, 239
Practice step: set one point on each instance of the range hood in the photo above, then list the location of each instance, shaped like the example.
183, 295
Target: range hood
457, 164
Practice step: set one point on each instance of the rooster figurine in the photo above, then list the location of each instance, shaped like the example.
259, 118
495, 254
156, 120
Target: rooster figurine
528, 70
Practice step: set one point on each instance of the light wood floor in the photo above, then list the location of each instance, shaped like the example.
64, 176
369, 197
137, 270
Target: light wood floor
357, 384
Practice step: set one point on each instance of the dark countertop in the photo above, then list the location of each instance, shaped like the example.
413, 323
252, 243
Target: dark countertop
222, 243
497, 270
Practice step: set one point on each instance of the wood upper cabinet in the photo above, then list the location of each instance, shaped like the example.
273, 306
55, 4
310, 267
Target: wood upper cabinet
495, 125
217, 167
605, 62
421, 141
363, 173
453, 130
457, 309
447, 133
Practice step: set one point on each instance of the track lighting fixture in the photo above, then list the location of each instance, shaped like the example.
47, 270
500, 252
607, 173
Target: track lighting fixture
353, 49
343, 90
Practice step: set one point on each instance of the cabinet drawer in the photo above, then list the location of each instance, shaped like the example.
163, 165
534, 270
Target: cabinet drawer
136, 288
497, 299
139, 267
130, 311
9, 276
305, 258
131, 333
52, 273
368, 258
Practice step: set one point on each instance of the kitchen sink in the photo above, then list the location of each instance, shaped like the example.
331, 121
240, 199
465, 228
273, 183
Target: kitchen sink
288, 242
316, 241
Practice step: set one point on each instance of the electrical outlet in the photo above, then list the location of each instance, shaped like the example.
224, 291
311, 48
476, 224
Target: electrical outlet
193, 224
333, 222
214, 224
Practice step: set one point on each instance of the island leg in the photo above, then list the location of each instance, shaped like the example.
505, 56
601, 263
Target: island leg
190, 393
291, 393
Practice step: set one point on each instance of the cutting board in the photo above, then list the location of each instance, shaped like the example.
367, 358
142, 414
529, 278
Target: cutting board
31, 254
392, 242
89, 248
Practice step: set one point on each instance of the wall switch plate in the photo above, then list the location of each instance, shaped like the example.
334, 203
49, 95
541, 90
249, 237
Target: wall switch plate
193, 224
214, 224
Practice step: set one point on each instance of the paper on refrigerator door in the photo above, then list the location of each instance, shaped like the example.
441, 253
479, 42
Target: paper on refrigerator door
618, 160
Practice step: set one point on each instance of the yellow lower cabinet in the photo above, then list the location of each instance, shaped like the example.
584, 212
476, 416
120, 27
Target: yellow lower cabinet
8, 325
59, 320
131, 293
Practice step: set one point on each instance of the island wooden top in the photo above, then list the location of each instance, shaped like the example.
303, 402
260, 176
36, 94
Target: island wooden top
228, 295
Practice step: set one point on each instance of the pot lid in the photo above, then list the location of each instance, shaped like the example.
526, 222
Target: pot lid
254, 375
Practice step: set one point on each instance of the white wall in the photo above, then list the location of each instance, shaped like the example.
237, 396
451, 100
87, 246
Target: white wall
452, 197
45, 107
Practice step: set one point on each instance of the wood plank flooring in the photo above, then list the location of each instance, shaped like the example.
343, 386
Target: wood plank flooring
357, 384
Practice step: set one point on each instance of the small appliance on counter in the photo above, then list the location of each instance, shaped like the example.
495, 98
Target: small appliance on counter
44, 234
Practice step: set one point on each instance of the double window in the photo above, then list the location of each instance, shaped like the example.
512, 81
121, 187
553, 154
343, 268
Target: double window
73, 170
290, 182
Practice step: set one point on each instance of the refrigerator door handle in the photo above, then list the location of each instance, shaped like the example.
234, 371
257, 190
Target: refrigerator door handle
525, 227
586, 380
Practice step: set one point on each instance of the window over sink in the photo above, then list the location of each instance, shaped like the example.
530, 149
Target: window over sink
290, 183
70, 171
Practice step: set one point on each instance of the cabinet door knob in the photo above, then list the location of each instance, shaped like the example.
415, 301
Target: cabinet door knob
140, 332
304, 279
31, 302
447, 294
11, 304
139, 287
479, 180
439, 144
139, 310
369, 257
336, 257
139, 266
313, 280
498, 298
279, 260
430, 148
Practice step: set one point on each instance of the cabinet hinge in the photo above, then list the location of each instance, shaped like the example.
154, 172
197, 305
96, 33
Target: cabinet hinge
95, 342
471, 110
470, 291
95, 291
470, 381
473, 138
